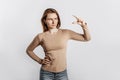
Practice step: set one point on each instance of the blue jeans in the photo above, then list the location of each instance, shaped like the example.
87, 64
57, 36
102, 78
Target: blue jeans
47, 75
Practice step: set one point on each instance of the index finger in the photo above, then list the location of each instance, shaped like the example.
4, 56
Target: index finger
75, 17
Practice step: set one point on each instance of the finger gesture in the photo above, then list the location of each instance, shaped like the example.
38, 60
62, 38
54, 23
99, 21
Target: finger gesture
79, 21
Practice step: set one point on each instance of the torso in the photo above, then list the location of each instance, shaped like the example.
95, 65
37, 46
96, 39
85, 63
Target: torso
55, 45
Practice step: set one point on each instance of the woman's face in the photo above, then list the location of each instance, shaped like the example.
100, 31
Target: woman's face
51, 20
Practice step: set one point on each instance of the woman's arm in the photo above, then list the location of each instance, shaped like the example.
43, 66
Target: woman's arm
36, 42
86, 33
77, 36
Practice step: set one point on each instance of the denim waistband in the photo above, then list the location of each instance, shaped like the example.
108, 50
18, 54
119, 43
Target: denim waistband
54, 72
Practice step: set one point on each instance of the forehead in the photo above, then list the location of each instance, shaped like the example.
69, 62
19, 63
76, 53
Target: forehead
51, 15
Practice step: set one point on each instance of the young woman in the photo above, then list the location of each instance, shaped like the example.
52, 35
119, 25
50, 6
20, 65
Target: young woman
54, 41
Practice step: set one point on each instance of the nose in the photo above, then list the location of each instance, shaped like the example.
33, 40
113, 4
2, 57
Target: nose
53, 21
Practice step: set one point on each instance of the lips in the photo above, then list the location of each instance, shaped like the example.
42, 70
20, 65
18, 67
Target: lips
53, 25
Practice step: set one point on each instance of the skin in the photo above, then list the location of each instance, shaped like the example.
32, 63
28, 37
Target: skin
52, 21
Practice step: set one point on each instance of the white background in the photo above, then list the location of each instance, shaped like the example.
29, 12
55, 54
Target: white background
98, 59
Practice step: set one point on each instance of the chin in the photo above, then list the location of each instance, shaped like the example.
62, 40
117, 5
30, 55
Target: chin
53, 27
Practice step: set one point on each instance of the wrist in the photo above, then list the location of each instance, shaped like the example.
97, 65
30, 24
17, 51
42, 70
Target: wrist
84, 27
40, 61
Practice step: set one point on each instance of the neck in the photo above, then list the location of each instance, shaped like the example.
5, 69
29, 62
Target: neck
53, 30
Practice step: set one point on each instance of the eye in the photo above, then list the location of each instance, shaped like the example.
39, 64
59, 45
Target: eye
56, 18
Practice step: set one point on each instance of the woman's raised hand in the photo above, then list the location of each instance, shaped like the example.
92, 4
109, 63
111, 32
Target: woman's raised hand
79, 21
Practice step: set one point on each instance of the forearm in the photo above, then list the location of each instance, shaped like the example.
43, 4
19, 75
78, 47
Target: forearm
34, 56
86, 33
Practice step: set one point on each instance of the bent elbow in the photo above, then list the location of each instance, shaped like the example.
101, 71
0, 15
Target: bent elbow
28, 51
87, 39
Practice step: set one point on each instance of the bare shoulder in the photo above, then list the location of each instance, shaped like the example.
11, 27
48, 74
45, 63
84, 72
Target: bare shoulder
39, 35
68, 31
65, 30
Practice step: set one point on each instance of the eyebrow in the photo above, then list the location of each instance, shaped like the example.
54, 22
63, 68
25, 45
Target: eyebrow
52, 18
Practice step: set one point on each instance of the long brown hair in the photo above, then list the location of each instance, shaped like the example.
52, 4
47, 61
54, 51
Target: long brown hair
47, 11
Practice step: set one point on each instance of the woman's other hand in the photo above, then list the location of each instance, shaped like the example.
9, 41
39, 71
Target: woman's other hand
79, 21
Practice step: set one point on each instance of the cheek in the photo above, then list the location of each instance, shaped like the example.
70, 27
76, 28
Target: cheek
48, 22
56, 21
